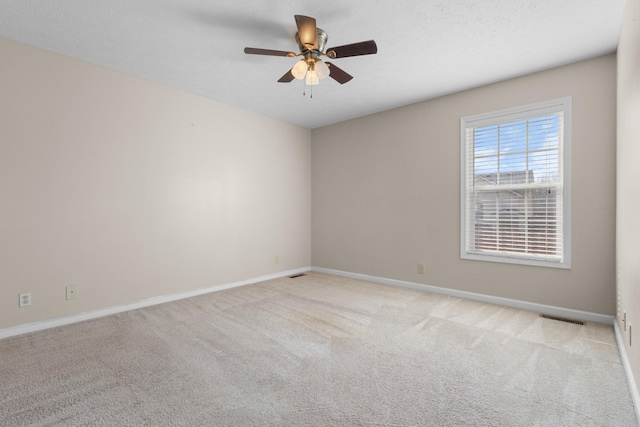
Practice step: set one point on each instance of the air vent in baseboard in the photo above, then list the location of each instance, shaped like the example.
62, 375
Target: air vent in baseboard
297, 275
562, 319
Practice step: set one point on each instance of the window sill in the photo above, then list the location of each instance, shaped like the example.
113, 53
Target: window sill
514, 259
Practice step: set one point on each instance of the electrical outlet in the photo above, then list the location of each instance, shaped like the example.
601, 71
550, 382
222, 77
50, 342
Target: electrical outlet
276, 259
420, 268
25, 299
72, 292
624, 320
629, 334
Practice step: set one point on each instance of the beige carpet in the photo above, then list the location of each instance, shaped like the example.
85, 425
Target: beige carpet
317, 350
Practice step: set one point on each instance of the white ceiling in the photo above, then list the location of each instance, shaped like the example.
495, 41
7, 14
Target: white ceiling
426, 48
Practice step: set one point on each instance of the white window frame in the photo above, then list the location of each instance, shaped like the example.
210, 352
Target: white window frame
505, 116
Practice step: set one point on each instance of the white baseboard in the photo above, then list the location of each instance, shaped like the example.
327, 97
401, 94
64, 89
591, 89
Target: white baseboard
633, 387
524, 305
94, 314
66, 320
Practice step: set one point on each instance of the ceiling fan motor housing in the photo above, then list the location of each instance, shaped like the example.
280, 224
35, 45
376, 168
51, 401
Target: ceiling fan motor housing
322, 42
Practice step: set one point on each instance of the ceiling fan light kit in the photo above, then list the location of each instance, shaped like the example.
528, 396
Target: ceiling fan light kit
311, 41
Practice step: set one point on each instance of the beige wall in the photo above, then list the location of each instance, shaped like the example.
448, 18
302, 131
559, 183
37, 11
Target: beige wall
130, 189
386, 192
628, 231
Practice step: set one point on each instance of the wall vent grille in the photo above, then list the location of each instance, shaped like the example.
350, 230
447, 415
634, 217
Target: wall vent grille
562, 319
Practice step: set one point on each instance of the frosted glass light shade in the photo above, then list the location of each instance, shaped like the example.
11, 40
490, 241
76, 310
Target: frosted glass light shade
299, 70
322, 69
312, 78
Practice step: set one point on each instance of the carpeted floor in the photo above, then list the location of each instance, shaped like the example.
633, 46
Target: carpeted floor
317, 350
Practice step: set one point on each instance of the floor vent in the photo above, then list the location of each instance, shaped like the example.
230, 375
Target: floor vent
562, 319
297, 275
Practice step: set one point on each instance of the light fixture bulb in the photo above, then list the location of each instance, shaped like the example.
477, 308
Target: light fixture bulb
312, 78
322, 69
300, 69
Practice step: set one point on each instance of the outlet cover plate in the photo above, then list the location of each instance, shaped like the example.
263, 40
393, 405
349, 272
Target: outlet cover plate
25, 299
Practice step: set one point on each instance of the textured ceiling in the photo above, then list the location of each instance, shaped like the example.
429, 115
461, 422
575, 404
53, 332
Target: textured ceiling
426, 48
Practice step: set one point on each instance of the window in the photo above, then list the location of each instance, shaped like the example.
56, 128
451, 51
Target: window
515, 195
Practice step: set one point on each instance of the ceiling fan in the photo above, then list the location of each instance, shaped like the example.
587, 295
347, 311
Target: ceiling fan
311, 41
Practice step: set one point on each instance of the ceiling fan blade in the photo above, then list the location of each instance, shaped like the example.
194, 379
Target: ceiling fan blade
307, 31
354, 49
338, 74
270, 52
287, 78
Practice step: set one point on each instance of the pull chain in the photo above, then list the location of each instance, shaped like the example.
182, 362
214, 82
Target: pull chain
304, 90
